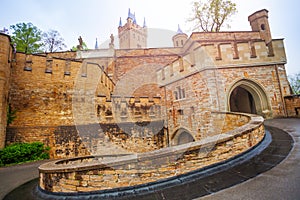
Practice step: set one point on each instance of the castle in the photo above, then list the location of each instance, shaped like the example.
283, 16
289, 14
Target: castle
138, 98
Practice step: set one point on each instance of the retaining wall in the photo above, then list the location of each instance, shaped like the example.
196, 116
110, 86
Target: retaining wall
92, 173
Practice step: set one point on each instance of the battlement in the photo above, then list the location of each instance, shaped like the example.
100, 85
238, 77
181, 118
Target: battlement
213, 37
228, 54
147, 52
128, 109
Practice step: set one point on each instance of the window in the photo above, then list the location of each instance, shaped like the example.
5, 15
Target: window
176, 43
171, 69
180, 112
163, 74
179, 93
176, 95
181, 42
181, 67
263, 27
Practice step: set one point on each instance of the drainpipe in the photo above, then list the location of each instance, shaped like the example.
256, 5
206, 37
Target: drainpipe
217, 88
166, 118
280, 90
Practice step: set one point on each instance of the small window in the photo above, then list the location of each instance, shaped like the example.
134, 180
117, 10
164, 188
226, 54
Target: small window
180, 112
163, 74
179, 93
177, 43
176, 95
183, 93
263, 27
182, 42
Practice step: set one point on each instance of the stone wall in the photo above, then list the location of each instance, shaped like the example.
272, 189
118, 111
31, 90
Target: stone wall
292, 103
6, 58
93, 139
210, 70
135, 70
88, 174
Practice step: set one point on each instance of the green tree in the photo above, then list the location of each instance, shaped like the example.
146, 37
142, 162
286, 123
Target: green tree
211, 15
27, 37
84, 47
295, 83
53, 41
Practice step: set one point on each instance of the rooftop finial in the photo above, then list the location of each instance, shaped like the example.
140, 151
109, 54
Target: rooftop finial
96, 45
134, 19
179, 31
144, 25
120, 22
130, 15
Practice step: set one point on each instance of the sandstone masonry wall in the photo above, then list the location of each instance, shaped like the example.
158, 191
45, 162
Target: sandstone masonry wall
5, 70
292, 103
108, 172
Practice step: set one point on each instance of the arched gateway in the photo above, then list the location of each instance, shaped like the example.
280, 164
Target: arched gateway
182, 136
248, 97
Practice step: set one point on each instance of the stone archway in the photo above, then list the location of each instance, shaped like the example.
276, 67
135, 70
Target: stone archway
248, 96
182, 136
242, 101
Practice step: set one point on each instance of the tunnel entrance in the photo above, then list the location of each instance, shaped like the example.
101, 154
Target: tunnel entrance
247, 96
241, 100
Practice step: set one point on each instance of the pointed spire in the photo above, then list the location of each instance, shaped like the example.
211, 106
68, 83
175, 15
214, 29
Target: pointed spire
179, 31
134, 19
129, 13
144, 25
96, 45
120, 22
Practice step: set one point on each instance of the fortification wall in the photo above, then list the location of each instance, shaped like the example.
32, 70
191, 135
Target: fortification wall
135, 70
42, 93
108, 172
5, 70
208, 73
292, 103
93, 139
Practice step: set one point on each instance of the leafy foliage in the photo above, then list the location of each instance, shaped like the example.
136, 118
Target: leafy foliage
211, 15
295, 83
27, 37
11, 115
84, 46
53, 41
23, 152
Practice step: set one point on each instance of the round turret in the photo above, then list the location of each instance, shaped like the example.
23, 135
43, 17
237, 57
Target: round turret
180, 38
259, 22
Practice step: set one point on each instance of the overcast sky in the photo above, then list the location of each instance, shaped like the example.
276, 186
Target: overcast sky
93, 19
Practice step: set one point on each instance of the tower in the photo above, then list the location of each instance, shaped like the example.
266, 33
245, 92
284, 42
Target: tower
259, 22
5, 67
131, 35
180, 38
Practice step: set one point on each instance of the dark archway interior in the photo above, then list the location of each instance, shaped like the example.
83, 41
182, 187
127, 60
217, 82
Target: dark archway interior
184, 138
242, 101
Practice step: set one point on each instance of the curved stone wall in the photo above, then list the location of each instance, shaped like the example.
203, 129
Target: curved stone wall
94, 173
